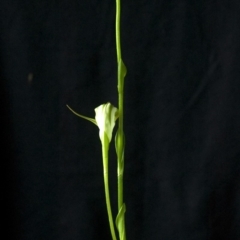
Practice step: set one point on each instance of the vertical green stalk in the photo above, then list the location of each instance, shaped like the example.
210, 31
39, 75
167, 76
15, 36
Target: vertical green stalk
105, 147
120, 222
118, 43
120, 108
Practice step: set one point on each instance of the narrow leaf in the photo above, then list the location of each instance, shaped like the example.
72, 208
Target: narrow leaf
81, 116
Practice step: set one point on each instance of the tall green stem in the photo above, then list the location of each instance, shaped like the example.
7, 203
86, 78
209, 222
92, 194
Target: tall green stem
105, 147
118, 43
120, 109
120, 133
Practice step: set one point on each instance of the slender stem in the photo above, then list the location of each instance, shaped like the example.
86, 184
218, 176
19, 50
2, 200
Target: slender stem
120, 133
120, 151
118, 43
105, 147
120, 107
120, 190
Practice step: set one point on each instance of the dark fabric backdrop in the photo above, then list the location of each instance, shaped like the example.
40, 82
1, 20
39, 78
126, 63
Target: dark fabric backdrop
182, 118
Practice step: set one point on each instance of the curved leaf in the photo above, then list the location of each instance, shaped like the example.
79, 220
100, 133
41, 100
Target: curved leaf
81, 116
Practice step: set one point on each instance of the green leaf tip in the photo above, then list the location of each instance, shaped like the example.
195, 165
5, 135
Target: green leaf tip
122, 68
81, 116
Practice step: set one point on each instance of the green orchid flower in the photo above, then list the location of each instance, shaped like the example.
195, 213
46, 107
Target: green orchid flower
105, 118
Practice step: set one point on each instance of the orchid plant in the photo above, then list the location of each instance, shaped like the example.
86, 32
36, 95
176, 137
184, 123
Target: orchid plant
105, 117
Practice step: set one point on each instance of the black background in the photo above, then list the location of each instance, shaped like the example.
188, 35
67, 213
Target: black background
182, 118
